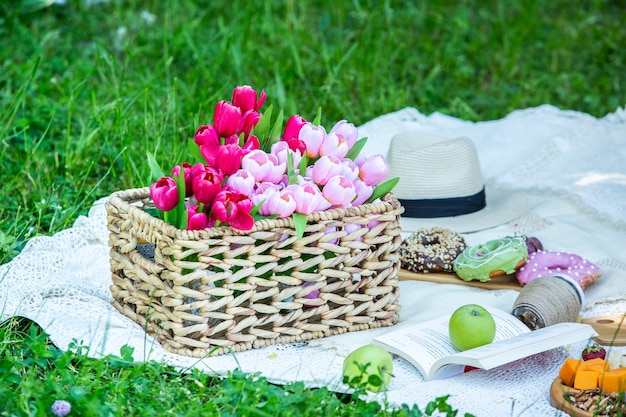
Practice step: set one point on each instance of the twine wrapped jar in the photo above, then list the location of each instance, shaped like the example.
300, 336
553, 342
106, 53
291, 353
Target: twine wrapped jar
218, 290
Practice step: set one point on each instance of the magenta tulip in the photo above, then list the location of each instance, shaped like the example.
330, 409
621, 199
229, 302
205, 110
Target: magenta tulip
293, 126
207, 182
251, 144
187, 173
249, 119
296, 145
246, 98
196, 220
206, 135
226, 118
164, 193
228, 158
234, 209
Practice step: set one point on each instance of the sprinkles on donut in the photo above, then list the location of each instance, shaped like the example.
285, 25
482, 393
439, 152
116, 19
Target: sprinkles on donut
431, 250
547, 263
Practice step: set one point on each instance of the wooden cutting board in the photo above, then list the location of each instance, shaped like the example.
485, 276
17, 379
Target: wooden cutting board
504, 282
611, 329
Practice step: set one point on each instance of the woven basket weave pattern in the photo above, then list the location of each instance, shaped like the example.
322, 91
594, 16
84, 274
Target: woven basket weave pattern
217, 290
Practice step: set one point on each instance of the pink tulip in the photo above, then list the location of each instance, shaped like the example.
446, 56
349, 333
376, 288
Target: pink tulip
206, 183
263, 166
334, 144
313, 137
279, 202
293, 126
347, 131
313, 294
164, 193
373, 170
339, 192
234, 209
281, 149
242, 182
308, 198
363, 192
329, 230
262, 193
226, 118
325, 168
350, 170
187, 174
351, 228
246, 98
196, 220
206, 135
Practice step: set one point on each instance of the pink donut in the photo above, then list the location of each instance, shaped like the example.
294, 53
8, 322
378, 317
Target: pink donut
547, 263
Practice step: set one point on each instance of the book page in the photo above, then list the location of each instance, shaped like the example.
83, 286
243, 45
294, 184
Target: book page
425, 343
507, 350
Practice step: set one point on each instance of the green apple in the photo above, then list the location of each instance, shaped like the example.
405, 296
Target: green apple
369, 367
471, 326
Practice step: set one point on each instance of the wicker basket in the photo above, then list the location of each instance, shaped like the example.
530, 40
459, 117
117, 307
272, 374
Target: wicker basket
208, 292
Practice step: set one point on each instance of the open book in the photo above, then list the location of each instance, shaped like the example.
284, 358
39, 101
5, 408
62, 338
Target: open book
427, 345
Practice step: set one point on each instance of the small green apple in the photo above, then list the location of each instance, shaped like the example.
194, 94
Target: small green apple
471, 326
369, 367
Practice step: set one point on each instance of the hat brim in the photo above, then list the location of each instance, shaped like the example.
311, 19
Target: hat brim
501, 208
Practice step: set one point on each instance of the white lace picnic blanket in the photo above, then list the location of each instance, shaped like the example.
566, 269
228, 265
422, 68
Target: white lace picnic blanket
571, 165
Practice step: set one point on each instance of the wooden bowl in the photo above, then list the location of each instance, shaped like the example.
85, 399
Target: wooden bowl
557, 399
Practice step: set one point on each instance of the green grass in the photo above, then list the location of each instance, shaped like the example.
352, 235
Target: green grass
86, 91
33, 374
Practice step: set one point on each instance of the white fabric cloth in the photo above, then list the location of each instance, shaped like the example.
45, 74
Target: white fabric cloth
571, 166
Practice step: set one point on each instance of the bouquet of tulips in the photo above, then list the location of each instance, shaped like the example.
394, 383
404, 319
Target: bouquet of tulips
248, 167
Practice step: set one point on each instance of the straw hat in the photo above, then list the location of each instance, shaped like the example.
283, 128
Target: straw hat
441, 185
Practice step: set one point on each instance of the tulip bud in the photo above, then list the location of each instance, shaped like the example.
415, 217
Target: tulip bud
293, 126
245, 97
226, 118
164, 193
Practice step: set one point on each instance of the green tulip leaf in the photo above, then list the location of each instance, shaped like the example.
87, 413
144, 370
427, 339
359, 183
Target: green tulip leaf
277, 130
180, 211
299, 221
318, 118
262, 128
156, 172
304, 162
194, 151
383, 188
291, 173
355, 150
